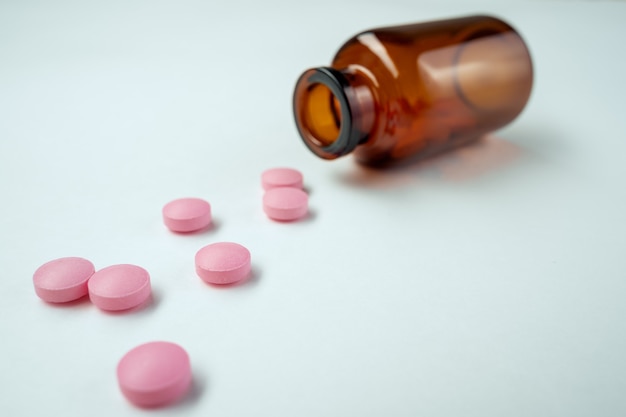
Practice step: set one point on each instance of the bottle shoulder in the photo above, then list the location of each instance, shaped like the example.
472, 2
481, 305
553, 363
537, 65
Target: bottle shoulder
366, 55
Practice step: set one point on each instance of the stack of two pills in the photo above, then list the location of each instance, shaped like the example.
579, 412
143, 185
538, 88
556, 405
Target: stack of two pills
284, 199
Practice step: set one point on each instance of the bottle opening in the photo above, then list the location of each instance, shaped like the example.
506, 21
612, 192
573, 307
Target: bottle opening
322, 114
324, 107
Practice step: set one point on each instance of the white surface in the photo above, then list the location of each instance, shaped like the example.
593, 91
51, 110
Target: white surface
489, 282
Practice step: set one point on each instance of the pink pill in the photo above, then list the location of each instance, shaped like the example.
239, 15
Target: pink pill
119, 287
281, 177
187, 215
63, 280
285, 203
154, 374
223, 263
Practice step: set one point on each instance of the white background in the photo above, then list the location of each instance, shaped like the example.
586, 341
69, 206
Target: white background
487, 282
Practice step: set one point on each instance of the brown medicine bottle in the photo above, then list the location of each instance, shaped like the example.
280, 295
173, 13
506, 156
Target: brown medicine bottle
414, 90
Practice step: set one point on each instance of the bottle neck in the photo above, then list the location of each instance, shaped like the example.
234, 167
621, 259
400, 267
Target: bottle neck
334, 111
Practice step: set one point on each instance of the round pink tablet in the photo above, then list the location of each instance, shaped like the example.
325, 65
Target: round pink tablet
281, 177
187, 215
223, 263
154, 374
63, 280
285, 203
119, 287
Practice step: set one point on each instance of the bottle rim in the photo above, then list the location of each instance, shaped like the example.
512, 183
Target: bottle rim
347, 138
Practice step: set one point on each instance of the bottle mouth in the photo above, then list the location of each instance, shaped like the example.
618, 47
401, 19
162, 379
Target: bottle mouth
323, 113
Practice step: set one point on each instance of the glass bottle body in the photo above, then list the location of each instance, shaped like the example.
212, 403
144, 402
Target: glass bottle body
414, 90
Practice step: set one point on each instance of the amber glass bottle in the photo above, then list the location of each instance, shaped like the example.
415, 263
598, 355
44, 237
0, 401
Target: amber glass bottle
414, 90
